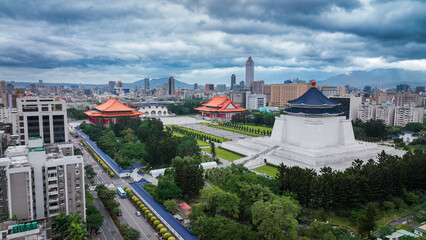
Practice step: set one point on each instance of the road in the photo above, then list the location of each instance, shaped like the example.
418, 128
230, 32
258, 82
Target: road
109, 231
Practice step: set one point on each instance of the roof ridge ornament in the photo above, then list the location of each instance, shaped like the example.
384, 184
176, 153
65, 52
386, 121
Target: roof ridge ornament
313, 84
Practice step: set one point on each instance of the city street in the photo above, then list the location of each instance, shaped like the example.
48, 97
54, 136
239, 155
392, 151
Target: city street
109, 231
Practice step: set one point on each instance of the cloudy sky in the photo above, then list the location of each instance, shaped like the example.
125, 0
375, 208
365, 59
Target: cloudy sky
206, 41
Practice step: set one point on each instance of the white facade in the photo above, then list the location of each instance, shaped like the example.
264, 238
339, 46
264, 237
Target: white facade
41, 117
408, 114
6, 114
350, 105
43, 181
255, 101
366, 112
329, 90
154, 110
386, 113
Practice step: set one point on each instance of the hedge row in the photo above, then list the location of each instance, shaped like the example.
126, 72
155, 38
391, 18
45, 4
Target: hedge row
156, 224
220, 126
110, 172
246, 129
197, 134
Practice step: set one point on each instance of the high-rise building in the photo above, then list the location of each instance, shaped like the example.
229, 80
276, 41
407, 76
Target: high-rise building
41, 181
220, 87
209, 87
366, 111
242, 83
3, 92
408, 114
40, 82
386, 113
277, 95
233, 81
119, 84
111, 86
146, 84
171, 86
249, 72
348, 105
329, 90
257, 86
402, 88
255, 101
195, 86
420, 89
41, 117
404, 98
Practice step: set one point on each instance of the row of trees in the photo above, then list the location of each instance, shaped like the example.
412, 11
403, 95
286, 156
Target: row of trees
107, 198
255, 118
186, 107
357, 185
195, 134
77, 114
245, 128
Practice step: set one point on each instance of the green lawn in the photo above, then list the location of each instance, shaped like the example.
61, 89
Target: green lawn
225, 154
268, 170
200, 143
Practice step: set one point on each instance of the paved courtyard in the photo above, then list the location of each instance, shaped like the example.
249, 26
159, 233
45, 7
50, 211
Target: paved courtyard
216, 132
180, 120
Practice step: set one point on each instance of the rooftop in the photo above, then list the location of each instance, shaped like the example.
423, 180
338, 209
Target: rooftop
313, 98
220, 104
113, 105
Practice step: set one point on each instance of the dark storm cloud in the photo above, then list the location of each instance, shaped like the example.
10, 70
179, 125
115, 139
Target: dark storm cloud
208, 39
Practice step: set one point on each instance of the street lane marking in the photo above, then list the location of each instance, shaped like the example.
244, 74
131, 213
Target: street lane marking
131, 217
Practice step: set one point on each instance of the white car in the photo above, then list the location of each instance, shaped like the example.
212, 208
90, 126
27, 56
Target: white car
138, 213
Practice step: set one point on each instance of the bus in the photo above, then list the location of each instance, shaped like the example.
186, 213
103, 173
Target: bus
121, 192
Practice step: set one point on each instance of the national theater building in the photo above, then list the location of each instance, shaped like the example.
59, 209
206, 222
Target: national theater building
110, 112
219, 109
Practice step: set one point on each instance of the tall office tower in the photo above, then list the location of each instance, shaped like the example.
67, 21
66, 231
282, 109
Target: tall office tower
111, 86
3, 92
195, 86
41, 117
171, 86
402, 88
40, 82
249, 72
146, 84
220, 87
257, 86
41, 181
233, 81
209, 87
242, 84
119, 84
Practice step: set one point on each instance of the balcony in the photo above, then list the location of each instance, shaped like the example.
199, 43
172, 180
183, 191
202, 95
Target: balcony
53, 207
53, 171
53, 193
54, 199
52, 179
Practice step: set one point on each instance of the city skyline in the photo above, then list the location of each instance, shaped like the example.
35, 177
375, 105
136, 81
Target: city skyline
95, 43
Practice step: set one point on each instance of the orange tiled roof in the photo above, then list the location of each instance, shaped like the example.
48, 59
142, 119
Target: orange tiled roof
113, 105
220, 104
91, 113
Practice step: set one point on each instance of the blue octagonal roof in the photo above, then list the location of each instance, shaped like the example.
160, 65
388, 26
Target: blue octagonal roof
313, 98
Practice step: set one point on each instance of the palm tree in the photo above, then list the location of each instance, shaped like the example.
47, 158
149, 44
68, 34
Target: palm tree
77, 231
60, 224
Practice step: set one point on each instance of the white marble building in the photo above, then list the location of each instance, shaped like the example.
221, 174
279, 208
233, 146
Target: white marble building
153, 110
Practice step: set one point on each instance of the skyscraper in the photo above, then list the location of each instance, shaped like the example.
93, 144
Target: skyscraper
111, 85
233, 81
146, 84
249, 72
195, 86
171, 86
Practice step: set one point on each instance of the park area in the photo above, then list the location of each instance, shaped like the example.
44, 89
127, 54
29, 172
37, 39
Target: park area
225, 154
200, 143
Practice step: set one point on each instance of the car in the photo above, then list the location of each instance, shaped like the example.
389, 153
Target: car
98, 231
138, 213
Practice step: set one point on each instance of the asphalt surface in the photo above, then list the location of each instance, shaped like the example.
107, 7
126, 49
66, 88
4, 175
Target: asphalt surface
108, 229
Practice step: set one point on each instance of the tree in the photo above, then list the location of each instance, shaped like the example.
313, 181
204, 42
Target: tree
220, 201
213, 149
188, 146
415, 127
219, 228
94, 218
188, 175
130, 233
76, 231
366, 222
167, 189
171, 206
60, 224
384, 231
90, 173
276, 219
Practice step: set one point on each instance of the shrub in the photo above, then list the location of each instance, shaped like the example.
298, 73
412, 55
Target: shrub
156, 222
153, 219
149, 215
160, 226
142, 206
147, 211
167, 235
144, 209
171, 238
163, 230
139, 203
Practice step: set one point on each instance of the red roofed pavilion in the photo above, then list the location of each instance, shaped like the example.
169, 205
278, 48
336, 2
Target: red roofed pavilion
109, 111
219, 108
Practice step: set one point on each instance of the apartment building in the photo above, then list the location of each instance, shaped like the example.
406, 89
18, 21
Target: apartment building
41, 181
408, 114
386, 113
45, 117
277, 95
366, 111
6, 114
255, 101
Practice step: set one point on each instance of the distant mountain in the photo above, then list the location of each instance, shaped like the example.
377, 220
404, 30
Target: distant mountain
158, 82
381, 78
